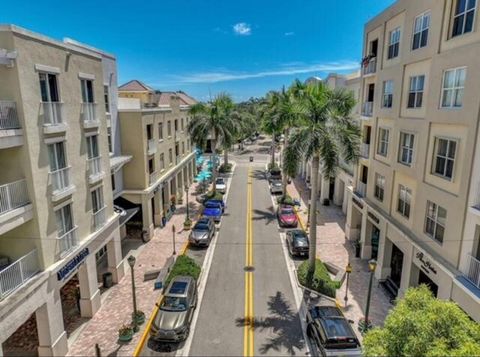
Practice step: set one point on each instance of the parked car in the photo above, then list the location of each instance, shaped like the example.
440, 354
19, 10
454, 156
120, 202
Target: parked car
276, 187
297, 243
221, 185
220, 201
286, 216
274, 175
331, 331
172, 323
202, 232
213, 210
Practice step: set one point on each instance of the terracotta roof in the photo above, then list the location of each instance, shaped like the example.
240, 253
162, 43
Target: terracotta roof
165, 98
134, 86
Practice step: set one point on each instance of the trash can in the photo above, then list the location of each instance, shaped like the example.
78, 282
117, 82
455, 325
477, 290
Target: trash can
107, 280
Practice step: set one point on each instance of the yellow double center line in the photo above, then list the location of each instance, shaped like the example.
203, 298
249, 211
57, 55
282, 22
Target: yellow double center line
249, 316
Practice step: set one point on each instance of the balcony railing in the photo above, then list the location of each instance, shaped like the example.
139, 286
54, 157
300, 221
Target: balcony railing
99, 218
95, 166
17, 273
153, 177
361, 189
13, 195
152, 146
364, 150
472, 270
367, 109
8, 115
67, 241
178, 158
60, 179
89, 112
52, 113
371, 67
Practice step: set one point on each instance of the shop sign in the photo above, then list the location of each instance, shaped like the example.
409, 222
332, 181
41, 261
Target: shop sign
425, 263
373, 217
72, 264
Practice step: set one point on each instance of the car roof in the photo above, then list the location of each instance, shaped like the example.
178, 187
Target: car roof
333, 322
179, 286
203, 220
298, 232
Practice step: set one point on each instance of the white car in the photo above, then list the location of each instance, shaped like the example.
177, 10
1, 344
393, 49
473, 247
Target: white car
276, 187
221, 185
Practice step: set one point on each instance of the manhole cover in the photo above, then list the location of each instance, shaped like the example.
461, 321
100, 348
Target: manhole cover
249, 268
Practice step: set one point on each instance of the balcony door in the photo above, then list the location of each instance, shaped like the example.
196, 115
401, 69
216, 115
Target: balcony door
49, 87
92, 146
97, 199
57, 157
87, 90
64, 220
371, 92
374, 48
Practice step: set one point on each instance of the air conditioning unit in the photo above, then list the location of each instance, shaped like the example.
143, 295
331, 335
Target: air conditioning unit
7, 58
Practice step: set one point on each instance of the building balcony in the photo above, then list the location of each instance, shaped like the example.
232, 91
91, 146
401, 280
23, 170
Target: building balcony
178, 158
67, 241
61, 183
471, 270
14, 275
153, 177
53, 118
365, 150
370, 67
151, 147
367, 109
95, 172
89, 115
99, 218
15, 206
11, 133
361, 189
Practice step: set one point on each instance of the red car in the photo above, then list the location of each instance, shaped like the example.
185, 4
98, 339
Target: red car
287, 217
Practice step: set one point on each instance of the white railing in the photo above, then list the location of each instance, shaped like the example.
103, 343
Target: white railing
99, 218
365, 150
8, 115
367, 109
472, 270
17, 273
67, 241
13, 195
152, 146
60, 179
52, 113
89, 112
371, 67
153, 177
95, 166
361, 189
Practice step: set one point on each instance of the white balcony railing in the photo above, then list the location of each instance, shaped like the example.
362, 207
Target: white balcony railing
8, 115
52, 113
60, 179
99, 218
152, 146
67, 241
17, 273
153, 177
95, 166
361, 189
371, 67
365, 150
472, 270
367, 109
89, 112
13, 195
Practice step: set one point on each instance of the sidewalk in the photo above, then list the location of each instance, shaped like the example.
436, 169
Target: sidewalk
334, 247
116, 309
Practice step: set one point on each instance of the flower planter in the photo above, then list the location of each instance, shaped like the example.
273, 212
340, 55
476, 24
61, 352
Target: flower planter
187, 225
125, 333
140, 318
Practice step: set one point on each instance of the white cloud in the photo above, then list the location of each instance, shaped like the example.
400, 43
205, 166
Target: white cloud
291, 33
242, 29
225, 75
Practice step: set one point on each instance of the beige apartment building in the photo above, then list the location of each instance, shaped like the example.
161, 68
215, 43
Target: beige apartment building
416, 185
56, 205
163, 163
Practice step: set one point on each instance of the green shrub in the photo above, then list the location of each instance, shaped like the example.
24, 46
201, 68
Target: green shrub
211, 196
184, 265
225, 168
287, 200
321, 281
274, 168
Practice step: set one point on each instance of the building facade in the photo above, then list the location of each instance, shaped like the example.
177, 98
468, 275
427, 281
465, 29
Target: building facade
56, 204
413, 204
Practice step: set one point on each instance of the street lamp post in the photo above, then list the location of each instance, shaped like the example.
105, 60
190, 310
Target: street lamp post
186, 190
131, 261
372, 265
348, 270
173, 234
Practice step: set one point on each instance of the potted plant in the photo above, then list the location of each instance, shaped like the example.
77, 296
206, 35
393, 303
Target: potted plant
364, 325
357, 245
139, 317
187, 224
125, 333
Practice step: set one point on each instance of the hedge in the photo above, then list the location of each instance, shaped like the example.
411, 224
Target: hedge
321, 281
184, 265
211, 196
225, 168
287, 200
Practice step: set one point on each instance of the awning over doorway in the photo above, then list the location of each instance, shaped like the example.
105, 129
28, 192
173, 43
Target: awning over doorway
125, 209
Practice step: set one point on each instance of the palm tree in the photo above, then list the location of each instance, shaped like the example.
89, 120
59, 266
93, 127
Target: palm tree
271, 119
327, 135
213, 119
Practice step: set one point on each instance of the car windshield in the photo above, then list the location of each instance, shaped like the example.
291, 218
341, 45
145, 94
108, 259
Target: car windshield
173, 303
337, 328
287, 211
201, 227
212, 205
220, 181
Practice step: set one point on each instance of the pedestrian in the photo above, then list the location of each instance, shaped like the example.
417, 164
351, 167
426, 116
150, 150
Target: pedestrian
77, 297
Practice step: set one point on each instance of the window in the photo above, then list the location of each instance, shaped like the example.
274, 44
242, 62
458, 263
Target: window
453, 84
435, 221
404, 199
383, 141
64, 219
97, 199
420, 30
109, 139
394, 43
444, 160
463, 18
188, 144
182, 124
162, 161
387, 94
160, 131
183, 148
415, 91
48, 87
176, 125
112, 178
379, 186
405, 153
151, 166
57, 157
106, 95
87, 90
169, 128
170, 156
92, 147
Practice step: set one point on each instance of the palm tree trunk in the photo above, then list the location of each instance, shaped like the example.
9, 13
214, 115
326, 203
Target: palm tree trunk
214, 168
225, 157
284, 177
272, 164
313, 216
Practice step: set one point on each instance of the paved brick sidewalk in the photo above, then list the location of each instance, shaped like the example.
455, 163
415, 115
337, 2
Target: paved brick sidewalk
334, 247
117, 307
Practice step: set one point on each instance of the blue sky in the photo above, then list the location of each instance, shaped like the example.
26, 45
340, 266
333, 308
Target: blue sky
206, 46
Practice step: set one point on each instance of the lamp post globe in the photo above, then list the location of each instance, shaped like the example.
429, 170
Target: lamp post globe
131, 261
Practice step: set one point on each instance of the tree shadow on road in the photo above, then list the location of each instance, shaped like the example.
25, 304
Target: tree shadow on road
283, 323
264, 215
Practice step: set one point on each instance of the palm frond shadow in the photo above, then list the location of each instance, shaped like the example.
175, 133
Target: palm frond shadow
264, 215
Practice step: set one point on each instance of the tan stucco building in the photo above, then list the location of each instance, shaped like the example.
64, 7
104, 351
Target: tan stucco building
411, 208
